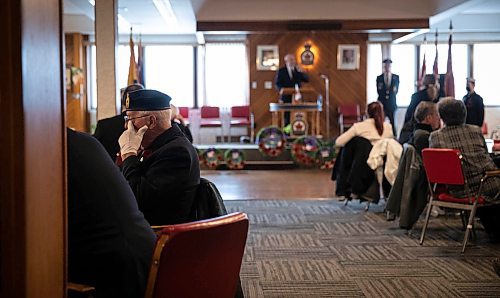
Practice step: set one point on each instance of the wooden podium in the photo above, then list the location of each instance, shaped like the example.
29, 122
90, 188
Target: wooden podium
307, 106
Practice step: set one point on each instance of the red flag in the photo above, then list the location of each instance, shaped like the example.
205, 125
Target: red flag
449, 81
132, 69
140, 62
420, 83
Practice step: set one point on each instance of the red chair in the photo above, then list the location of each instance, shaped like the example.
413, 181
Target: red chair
210, 117
199, 259
242, 117
348, 115
184, 112
444, 167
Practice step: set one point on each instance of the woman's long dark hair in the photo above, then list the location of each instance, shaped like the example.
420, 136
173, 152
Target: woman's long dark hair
376, 111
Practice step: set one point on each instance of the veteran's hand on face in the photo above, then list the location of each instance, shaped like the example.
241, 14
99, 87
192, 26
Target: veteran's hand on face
130, 140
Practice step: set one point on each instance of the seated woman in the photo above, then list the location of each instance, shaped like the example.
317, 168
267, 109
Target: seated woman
351, 171
373, 129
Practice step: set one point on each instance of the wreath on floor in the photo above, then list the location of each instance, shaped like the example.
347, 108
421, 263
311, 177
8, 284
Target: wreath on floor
325, 158
212, 157
305, 150
271, 141
235, 159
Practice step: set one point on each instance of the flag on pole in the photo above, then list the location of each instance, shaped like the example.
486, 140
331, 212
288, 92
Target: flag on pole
421, 77
132, 69
140, 62
435, 70
449, 81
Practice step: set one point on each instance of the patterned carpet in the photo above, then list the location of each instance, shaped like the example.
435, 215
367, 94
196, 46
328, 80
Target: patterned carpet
325, 249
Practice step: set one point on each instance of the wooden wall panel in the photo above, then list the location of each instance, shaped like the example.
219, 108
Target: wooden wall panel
346, 86
32, 154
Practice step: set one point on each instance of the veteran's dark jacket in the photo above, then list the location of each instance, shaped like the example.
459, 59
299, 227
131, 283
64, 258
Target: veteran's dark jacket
165, 182
475, 109
387, 94
110, 244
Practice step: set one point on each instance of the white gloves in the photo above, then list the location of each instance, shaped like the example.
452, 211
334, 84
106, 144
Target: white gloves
130, 140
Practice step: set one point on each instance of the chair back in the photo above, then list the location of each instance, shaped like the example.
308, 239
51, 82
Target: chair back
349, 111
184, 112
210, 112
443, 166
240, 112
199, 259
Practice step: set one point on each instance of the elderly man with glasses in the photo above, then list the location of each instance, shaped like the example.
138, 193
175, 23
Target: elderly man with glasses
159, 162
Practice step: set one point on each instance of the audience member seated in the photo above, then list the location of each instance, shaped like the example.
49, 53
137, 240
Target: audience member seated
429, 93
469, 140
109, 130
373, 129
178, 120
165, 175
110, 244
408, 196
353, 175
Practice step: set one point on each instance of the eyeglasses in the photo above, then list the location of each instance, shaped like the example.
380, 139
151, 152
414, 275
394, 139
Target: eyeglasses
127, 118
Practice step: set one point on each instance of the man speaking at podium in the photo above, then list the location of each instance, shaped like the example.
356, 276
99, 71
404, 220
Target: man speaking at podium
290, 76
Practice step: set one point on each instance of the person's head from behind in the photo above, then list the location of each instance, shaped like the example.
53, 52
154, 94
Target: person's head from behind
452, 111
127, 90
427, 113
431, 86
149, 108
290, 60
375, 110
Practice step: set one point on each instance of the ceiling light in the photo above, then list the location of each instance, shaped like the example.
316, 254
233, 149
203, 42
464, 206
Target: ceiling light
164, 7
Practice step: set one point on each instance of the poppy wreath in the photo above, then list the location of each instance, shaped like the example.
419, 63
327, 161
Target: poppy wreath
212, 157
200, 155
235, 159
325, 157
271, 141
304, 150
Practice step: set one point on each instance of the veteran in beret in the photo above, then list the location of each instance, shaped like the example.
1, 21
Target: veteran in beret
159, 162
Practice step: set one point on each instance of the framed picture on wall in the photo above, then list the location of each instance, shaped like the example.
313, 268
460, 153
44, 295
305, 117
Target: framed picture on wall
348, 57
268, 57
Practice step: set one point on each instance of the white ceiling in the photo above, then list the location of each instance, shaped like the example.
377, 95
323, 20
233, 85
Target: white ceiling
475, 19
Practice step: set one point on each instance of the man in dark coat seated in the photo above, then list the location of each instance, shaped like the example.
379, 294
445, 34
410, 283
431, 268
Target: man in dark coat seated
108, 130
110, 244
159, 163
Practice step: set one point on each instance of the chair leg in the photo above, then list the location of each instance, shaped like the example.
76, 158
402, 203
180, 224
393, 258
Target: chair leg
426, 222
469, 227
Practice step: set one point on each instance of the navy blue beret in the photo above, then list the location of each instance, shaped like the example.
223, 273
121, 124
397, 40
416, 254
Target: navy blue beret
147, 100
387, 61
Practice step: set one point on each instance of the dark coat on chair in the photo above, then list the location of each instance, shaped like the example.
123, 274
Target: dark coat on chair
107, 131
408, 196
165, 182
351, 172
110, 244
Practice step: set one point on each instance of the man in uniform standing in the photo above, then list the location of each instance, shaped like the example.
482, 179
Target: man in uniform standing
387, 89
474, 104
159, 162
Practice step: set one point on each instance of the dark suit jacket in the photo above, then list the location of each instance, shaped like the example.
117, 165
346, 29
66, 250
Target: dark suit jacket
387, 94
283, 80
165, 182
110, 244
475, 109
108, 131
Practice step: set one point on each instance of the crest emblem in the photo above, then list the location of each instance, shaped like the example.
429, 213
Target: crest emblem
127, 102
